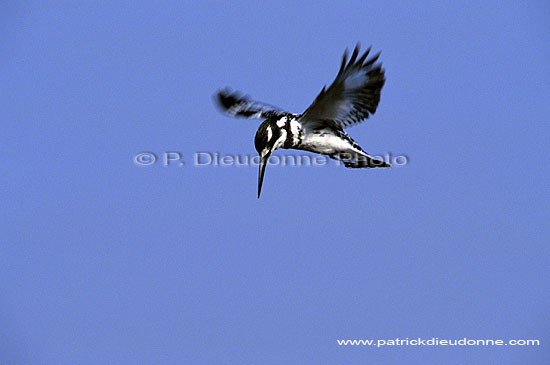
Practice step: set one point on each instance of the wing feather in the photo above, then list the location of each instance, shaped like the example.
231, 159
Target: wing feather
354, 94
237, 105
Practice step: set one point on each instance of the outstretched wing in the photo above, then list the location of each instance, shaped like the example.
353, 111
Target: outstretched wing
353, 95
236, 105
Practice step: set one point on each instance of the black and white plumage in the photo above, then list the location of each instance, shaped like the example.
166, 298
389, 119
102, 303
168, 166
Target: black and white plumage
352, 97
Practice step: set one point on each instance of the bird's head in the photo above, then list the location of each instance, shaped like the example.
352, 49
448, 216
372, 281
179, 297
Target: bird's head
269, 137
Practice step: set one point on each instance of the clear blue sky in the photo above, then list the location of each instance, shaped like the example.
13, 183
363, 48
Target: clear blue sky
104, 261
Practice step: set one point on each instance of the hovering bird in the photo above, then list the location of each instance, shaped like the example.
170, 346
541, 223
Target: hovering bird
352, 97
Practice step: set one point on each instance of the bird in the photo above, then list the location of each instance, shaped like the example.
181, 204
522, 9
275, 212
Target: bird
351, 98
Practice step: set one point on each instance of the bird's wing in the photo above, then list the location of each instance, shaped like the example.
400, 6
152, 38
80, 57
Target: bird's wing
237, 105
353, 95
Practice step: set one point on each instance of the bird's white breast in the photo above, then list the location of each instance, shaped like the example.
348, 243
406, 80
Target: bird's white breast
326, 142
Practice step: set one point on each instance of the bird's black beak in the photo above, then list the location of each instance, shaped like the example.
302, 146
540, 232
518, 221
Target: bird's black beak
264, 158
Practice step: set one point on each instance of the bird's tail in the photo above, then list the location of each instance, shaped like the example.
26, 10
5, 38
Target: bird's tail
363, 161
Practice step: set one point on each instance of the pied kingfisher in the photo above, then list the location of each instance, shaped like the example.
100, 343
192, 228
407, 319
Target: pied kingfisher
351, 98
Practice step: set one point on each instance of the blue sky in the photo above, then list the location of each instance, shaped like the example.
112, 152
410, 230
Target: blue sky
105, 261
